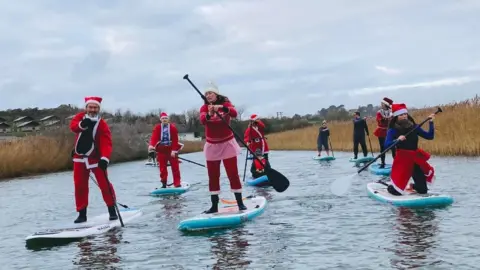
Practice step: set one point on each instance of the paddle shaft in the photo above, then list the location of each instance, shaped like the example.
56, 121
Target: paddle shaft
201, 165
94, 181
370, 143
439, 110
114, 199
246, 156
225, 121
331, 147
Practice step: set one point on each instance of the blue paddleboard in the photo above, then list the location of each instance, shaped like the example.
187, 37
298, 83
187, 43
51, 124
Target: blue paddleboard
375, 169
324, 158
260, 181
171, 190
228, 215
414, 200
362, 159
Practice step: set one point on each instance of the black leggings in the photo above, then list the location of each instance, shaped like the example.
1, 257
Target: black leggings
419, 179
381, 141
356, 142
321, 143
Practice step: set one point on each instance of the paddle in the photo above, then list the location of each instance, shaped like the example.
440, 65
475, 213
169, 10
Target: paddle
331, 147
94, 181
114, 198
246, 155
279, 182
341, 185
201, 165
370, 142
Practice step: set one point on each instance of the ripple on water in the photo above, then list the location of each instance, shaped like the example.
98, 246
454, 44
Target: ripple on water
305, 227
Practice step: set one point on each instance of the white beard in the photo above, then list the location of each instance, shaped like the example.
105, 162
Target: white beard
93, 118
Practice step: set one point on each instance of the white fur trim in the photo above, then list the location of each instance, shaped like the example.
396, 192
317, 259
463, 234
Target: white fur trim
106, 159
92, 101
386, 103
215, 192
85, 160
236, 190
402, 111
81, 126
397, 188
181, 146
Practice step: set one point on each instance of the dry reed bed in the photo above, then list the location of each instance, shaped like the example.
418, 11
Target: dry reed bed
457, 132
46, 154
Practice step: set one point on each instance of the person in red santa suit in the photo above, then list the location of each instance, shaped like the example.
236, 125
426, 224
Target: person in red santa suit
220, 146
164, 141
93, 147
254, 137
383, 117
409, 161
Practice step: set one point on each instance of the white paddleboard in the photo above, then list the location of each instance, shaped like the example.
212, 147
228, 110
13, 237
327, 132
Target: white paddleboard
95, 225
379, 192
228, 215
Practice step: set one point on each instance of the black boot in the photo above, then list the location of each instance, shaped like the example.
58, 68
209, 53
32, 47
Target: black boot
238, 197
382, 166
82, 216
112, 212
164, 184
214, 208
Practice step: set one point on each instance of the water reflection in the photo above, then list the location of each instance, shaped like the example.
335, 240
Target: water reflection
173, 207
230, 250
100, 252
416, 230
264, 192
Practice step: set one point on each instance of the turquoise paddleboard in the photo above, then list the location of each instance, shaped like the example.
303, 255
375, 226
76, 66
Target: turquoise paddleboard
171, 190
375, 169
379, 192
324, 158
228, 215
362, 159
260, 181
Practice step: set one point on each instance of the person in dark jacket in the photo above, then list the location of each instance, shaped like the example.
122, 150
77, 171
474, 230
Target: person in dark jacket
322, 139
359, 129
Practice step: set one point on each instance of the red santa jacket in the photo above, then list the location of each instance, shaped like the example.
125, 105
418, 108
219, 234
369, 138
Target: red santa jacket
157, 136
98, 140
382, 125
256, 137
216, 131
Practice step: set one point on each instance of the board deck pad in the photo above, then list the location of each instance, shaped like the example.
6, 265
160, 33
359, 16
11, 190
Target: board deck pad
227, 216
379, 192
171, 190
94, 225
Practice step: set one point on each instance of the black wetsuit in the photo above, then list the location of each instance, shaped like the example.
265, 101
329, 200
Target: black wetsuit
359, 129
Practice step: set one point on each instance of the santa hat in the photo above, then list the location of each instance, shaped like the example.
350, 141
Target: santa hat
398, 109
253, 117
324, 122
94, 100
163, 115
212, 88
387, 101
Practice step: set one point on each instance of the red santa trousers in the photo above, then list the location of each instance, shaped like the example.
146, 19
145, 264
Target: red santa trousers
403, 164
164, 155
213, 167
81, 178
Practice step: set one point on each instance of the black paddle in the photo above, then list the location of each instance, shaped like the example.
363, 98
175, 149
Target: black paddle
246, 155
114, 199
439, 110
370, 142
279, 182
331, 147
201, 165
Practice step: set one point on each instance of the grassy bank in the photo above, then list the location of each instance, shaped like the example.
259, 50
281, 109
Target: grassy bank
457, 132
51, 152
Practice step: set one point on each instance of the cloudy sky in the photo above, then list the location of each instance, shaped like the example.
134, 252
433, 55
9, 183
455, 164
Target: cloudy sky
266, 55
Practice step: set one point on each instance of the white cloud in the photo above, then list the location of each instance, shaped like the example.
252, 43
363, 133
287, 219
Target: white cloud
265, 54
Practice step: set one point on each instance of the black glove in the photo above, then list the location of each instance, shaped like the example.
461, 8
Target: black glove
225, 109
86, 122
151, 154
103, 164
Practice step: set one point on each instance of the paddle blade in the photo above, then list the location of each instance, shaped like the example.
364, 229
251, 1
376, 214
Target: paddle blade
278, 181
341, 185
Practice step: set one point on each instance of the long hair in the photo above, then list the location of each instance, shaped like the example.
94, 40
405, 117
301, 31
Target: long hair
394, 121
220, 100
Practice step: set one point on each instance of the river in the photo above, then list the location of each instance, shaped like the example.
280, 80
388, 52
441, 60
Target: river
305, 227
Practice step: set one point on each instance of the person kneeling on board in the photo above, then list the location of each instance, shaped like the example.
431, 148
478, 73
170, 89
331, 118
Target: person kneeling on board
164, 141
410, 161
257, 169
383, 117
220, 146
322, 139
359, 129
254, 135
93, 147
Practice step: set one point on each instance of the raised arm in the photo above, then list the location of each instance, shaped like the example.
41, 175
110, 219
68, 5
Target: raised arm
203, 114
228, 108
75, 123
427, 135
390, 139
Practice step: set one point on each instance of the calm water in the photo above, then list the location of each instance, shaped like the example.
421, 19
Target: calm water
305, 227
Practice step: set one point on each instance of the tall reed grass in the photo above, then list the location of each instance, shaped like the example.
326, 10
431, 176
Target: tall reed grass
457, 132
51, 151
